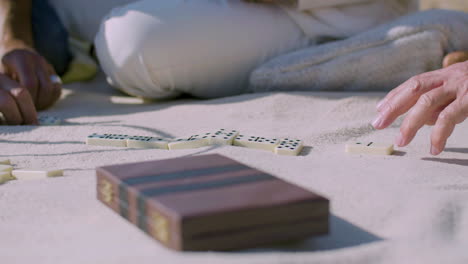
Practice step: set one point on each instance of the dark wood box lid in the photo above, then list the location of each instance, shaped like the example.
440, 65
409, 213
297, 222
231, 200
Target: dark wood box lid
207, 184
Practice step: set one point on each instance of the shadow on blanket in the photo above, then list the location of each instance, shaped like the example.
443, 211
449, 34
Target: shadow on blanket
343, 234
98, 95
461, 162
457, 150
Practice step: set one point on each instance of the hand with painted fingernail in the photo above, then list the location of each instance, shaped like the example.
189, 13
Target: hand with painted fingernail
26, 78
16, 104
34, 73
438, 99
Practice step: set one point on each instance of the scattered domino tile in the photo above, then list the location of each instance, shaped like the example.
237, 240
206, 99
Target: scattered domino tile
256, 142
147, 142
129, 100
223, 137
30, 174
7, 168
7, 173
195, 141
370, 148
4, 177
110, 140
291, 147
49, 120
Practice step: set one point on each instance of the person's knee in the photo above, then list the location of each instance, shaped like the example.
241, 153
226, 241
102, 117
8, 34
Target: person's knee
125, 47
161, 49
157, 56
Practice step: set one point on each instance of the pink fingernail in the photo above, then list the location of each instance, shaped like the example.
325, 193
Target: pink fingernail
380, 104
377, 123
435, 151
400, 142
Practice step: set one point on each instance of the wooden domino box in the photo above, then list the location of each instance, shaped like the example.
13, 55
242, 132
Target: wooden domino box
210, 202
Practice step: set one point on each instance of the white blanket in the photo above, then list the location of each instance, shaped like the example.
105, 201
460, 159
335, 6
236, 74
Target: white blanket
406, 208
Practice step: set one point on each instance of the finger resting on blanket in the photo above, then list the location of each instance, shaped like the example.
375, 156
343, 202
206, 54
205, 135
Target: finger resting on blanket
426, 107
16, 104
454, 114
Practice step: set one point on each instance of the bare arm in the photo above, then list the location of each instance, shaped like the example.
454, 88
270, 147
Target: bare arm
25, 83
16, 26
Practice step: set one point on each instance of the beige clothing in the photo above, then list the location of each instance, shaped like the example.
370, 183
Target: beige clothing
344, 18
329, 17
208, 48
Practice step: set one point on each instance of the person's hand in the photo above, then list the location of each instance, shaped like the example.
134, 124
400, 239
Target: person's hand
27, 84
438, 98
35, 74
16, 105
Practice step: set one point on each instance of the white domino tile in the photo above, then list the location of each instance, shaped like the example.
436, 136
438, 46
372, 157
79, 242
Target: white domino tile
6, 168
33, 174
49, 120
290, 147
223, 137
147, 142
110, 140
5, 176
256, 142
369, 148
195, 141
284, 146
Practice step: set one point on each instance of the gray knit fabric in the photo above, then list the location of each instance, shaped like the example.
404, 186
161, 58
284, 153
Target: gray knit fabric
379, 59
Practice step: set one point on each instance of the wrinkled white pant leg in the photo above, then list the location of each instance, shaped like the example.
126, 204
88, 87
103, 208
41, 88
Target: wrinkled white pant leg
206, 48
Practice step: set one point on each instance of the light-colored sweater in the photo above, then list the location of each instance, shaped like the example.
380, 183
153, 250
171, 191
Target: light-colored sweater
335, 18
378, 59
345, 18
